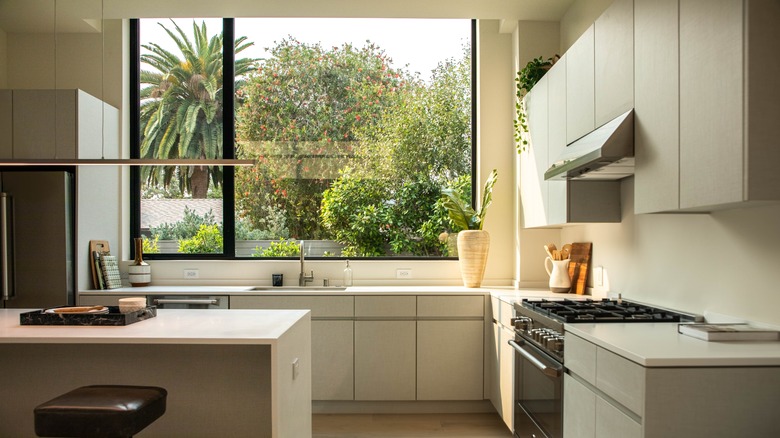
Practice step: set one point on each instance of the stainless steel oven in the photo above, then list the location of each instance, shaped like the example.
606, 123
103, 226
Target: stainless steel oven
189, 302
540, 356
538, 392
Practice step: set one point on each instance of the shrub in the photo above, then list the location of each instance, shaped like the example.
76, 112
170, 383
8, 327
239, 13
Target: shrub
208, 239
280, 248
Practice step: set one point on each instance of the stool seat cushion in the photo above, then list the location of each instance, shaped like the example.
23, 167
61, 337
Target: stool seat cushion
100, 411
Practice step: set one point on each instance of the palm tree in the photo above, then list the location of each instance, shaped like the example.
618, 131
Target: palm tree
181, 107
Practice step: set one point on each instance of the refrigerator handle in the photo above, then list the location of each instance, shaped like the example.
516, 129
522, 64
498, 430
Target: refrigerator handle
7, 287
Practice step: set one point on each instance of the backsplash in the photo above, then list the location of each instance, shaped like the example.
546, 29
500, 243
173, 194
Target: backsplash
721, 262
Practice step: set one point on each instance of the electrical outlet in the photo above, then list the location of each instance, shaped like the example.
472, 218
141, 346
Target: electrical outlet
191, 274
404, 274
598, 276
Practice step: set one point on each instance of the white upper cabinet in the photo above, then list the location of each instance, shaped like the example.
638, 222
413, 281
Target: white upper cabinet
657, 109
580, 87
533, 162
614, 61
708, 141
48, 124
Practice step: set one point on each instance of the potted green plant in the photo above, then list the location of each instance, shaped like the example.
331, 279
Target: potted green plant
526, 78
473, 241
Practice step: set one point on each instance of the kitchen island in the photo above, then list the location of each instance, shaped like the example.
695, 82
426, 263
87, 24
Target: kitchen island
234, 373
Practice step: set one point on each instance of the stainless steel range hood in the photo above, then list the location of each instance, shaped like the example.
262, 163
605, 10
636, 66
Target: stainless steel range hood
606, 153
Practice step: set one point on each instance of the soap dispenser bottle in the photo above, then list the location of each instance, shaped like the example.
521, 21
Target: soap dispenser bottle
347, 275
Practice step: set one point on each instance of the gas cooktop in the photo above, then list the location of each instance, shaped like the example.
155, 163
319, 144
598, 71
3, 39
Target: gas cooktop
605, 310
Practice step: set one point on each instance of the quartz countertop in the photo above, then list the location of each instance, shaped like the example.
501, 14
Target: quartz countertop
660, 345
507, 294
170, 326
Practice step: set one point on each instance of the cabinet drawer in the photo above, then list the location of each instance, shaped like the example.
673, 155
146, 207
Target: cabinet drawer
329, 307
451, 306
385, 306
621, 379
581, 358
506, 314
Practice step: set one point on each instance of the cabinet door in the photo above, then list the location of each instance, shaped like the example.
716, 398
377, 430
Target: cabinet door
614, 61
494, 367
450, 360
612, 423
556, 189
657, 106
33, 113
332, 360
6, 125
580, 89
507, 378
579, 409
385, 358
711, 102
533, 162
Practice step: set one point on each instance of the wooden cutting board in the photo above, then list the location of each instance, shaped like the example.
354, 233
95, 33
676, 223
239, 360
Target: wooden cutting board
578, 266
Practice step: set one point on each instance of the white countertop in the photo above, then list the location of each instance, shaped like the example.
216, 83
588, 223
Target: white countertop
659, 345
168, 327
507, 294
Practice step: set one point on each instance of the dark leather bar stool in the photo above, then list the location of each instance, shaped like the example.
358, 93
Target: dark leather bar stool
110, 411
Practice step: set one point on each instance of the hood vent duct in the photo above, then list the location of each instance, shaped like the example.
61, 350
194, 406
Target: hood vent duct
606, 153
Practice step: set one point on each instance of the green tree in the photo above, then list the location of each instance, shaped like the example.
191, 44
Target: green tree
301, 110
181, 107
412, 152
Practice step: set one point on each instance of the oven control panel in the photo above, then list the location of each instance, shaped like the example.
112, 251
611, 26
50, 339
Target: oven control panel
546, 338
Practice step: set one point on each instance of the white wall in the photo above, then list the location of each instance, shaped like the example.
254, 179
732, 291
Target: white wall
724, 262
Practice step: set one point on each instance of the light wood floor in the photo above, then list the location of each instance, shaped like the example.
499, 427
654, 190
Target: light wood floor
408, 425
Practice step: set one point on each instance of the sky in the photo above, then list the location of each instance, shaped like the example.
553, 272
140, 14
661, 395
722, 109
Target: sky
419, 43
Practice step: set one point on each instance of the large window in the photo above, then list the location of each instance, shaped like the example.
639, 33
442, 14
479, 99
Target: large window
355, 126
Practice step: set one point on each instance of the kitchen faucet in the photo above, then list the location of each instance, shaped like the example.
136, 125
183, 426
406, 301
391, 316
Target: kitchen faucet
303, 278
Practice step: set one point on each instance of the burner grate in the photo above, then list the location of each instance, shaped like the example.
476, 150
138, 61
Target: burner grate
606, 310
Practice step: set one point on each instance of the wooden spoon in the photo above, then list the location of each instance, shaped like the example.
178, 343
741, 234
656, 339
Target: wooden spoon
565, 251
549, 249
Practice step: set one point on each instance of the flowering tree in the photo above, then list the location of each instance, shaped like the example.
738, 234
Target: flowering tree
301, 110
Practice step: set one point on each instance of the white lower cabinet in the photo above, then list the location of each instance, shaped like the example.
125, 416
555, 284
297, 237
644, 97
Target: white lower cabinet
502, 360
390, 347
579, 409
332, 327
385, 360
332, 360
450, 360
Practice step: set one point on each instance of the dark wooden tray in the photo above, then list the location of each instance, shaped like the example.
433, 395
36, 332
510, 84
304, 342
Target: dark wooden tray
113, 317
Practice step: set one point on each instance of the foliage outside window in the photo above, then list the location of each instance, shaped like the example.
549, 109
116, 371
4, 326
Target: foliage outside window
351, 150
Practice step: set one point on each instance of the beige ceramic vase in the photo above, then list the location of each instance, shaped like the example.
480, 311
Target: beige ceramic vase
473, 248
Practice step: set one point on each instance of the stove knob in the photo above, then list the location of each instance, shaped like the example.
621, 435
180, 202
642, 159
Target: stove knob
523, 323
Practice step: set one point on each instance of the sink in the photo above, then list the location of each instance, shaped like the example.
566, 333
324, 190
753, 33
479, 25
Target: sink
297, 288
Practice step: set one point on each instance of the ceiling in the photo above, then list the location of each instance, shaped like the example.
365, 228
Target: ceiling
83, 16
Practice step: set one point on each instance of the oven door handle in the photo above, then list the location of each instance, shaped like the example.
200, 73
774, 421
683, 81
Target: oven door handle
547, 371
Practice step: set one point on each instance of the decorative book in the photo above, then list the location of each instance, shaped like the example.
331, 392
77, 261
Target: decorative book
110, 269
728, 332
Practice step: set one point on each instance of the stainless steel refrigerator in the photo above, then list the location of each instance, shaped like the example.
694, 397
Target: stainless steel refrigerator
37, 267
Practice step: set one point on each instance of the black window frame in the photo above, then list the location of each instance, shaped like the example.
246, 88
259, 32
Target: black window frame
228, 182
